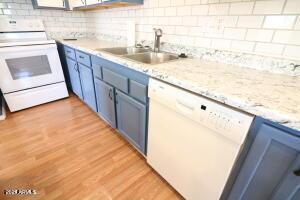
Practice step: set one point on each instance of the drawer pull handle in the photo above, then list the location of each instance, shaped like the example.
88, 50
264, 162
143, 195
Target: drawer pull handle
76, 67
297, 172
81, 57
68, 51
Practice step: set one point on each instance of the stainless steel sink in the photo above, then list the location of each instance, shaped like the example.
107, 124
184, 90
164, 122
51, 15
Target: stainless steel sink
152, 57
124, 50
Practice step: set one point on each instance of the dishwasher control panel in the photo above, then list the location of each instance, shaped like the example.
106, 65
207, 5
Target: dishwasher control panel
227, 121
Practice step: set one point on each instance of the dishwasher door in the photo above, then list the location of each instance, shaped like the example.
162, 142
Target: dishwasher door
193, 142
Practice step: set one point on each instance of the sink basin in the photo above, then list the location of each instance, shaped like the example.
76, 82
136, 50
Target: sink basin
124, 50
152, 57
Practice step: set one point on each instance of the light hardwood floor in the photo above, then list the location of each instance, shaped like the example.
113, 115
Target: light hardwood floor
65, 151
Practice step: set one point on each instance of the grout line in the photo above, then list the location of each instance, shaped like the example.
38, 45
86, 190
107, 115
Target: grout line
283, 7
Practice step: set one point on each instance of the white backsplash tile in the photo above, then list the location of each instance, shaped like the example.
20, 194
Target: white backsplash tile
287, 37
275, 49
57, 22
218, 9
279, 22
268, 7
259, 35
253, 31
241, 8
250, 21
292, 7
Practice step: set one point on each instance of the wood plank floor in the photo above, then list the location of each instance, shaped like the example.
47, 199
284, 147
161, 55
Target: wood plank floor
65, 151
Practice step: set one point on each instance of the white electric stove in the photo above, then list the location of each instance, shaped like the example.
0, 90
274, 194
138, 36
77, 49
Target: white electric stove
30, 68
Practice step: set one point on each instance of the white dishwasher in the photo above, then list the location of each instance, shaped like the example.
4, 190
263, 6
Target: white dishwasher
192, 141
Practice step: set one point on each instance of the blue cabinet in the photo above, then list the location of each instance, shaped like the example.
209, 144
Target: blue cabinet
74, 77
271, 169
118, 94
106, 101
130, 99
87, 85
131, 119
289, 188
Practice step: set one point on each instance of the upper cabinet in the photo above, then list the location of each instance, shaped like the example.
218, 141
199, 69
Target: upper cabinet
51, 4
103, 4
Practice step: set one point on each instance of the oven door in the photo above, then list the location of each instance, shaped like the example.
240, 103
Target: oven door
24, 67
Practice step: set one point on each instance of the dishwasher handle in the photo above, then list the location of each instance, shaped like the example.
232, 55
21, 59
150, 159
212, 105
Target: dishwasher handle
186, 107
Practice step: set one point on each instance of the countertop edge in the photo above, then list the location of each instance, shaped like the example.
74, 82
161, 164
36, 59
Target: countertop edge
239, 104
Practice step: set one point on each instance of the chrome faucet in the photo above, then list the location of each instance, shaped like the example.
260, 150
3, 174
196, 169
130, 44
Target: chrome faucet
158, 34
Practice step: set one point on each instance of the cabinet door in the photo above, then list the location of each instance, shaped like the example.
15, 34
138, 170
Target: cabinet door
74, 77
51, 3
289, 188
271, 161
87, 84
131, 119
106, 101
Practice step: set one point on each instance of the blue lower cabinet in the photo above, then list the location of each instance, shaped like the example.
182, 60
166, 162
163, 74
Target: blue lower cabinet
74, 77
289, 188
87, 84
131, 120
271, 169
106, 102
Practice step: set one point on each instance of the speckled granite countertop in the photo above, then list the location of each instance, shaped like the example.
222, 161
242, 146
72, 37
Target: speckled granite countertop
271, 96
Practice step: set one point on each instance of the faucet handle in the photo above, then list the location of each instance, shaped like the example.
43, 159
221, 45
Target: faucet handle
158, 32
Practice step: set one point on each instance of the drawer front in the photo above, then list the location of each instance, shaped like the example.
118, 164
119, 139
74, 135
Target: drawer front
83, 58
115, 79
97, 70
70, 52
122, 70
138, 91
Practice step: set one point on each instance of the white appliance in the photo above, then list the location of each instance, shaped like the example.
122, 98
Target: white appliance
193, 142
30, 68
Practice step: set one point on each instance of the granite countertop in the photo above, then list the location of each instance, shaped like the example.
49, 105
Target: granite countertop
272, 96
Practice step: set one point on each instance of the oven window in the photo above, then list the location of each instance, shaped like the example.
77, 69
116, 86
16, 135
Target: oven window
28, 66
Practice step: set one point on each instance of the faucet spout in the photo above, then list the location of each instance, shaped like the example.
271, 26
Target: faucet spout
158, 35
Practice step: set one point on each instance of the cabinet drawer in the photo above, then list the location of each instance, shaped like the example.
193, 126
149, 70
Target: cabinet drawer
83, 58
138, 91
97, 70
115, 79
70, 52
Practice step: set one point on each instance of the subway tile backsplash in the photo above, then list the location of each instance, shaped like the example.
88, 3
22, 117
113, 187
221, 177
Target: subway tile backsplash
263, 27
58, 23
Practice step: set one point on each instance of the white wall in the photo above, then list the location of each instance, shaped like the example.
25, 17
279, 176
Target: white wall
57, 22
269, 27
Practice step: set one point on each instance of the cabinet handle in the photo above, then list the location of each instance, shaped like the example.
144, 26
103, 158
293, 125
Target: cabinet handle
297, 172
110, 94
68, 51
116, 94
81, 57
76, 67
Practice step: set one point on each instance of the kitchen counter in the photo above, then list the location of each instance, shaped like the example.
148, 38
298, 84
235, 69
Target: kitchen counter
272, 96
